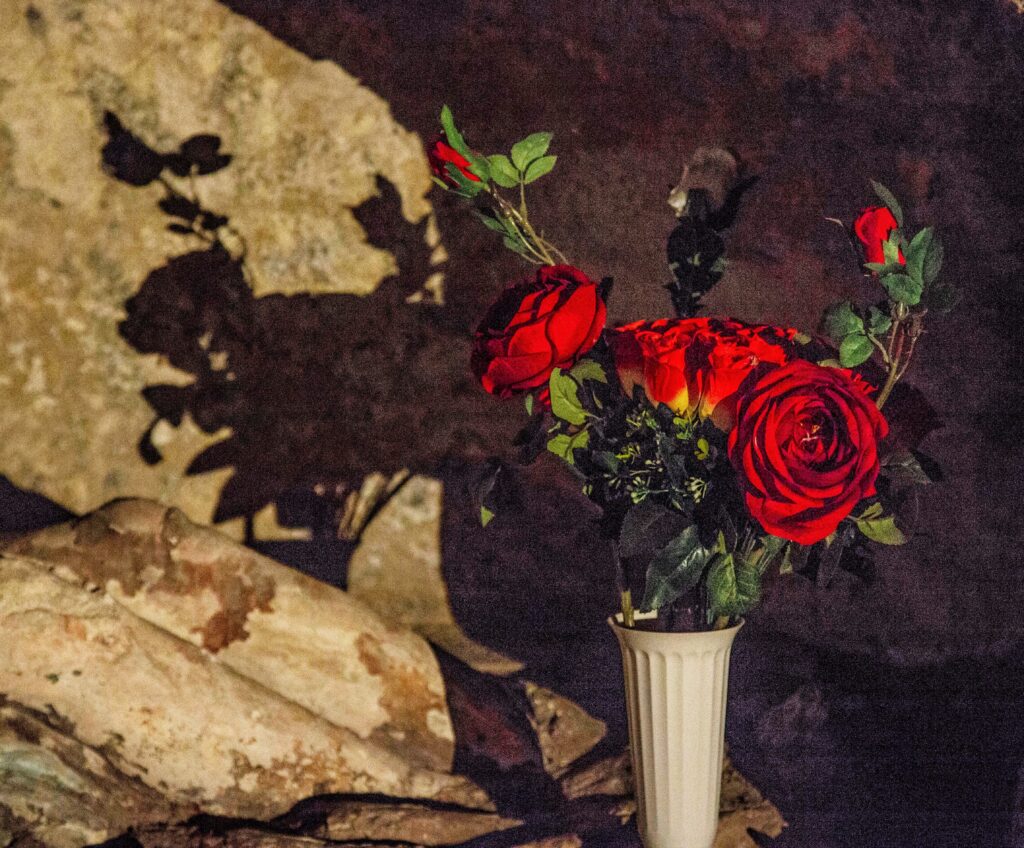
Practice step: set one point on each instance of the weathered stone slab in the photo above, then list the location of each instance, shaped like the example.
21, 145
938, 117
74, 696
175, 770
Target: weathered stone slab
172, 715
307, 142
564, 729
350, 820
59, 792
305, 640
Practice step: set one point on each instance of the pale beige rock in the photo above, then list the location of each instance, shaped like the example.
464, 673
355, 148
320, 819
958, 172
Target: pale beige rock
307, 140
63, 794
564, 729
170, 714
305, 640
350, 821
610, 776
396, 570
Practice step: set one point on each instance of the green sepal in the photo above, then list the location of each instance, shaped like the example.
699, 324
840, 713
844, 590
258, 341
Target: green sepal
532, 147
882, 530
529, 404
889, 199
451, 133
538, 168
486, 516
467, 188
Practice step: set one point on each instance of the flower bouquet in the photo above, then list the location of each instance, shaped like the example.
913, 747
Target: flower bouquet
719, 451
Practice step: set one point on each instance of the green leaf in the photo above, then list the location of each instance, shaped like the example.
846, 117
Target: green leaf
916, 252
882, 530
492, 223
877, 267
515, 245
903, 466
647, 528
786, 566
840, 320
503, 172
563, 444
451, 134
855, 349
830, 363
565, 401
538, 168
891, 250
941, 297
530, 148
529, 404
723, 586
440, 182
878, 322
932, 261
902, 288
478, 165
588, 369
889, 199
485, 516
675, 569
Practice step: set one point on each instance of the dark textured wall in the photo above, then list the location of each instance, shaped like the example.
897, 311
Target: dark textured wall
876, 714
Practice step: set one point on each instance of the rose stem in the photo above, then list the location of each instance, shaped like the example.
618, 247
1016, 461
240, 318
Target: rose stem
625, 595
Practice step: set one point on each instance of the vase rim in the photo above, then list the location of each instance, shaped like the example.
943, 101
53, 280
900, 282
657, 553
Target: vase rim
693, 638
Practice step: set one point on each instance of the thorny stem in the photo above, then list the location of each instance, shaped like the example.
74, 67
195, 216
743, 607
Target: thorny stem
539, 247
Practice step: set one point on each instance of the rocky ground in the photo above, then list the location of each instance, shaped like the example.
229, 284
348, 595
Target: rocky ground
881, 714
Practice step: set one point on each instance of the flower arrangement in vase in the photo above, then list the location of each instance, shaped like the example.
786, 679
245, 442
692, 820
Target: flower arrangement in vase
719, 451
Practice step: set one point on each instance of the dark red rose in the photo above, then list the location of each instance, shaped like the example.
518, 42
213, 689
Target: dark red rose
873, 227
805, 449
440, 153
535, 326
695, 364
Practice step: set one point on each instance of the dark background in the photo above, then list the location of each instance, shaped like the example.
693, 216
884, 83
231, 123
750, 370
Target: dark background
874, 714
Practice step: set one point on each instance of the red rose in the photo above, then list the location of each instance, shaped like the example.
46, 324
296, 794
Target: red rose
440, 153
695, 364
535, 326
805, 449
873, 227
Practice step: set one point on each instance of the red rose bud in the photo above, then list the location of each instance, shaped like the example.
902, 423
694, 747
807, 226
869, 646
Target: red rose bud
536, 326
873, 227
805, 449
696, 364
440, 153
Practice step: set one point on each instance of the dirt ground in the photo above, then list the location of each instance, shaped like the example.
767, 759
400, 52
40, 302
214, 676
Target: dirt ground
873, 714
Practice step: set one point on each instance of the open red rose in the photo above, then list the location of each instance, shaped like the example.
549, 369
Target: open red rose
873, 227
536, 326
805, 449
440, 153
695, 364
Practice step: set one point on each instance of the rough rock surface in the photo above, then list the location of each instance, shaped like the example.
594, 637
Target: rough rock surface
307, 142
169, 713
351, 820
305, 640
397, 571
565, 731
56, 791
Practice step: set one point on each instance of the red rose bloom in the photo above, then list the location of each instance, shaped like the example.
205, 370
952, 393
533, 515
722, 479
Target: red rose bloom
805, 449
873, 227
535, 326
695, 364
440, 153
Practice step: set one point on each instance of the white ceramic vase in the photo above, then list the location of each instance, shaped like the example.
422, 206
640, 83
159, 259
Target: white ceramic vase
676, 685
